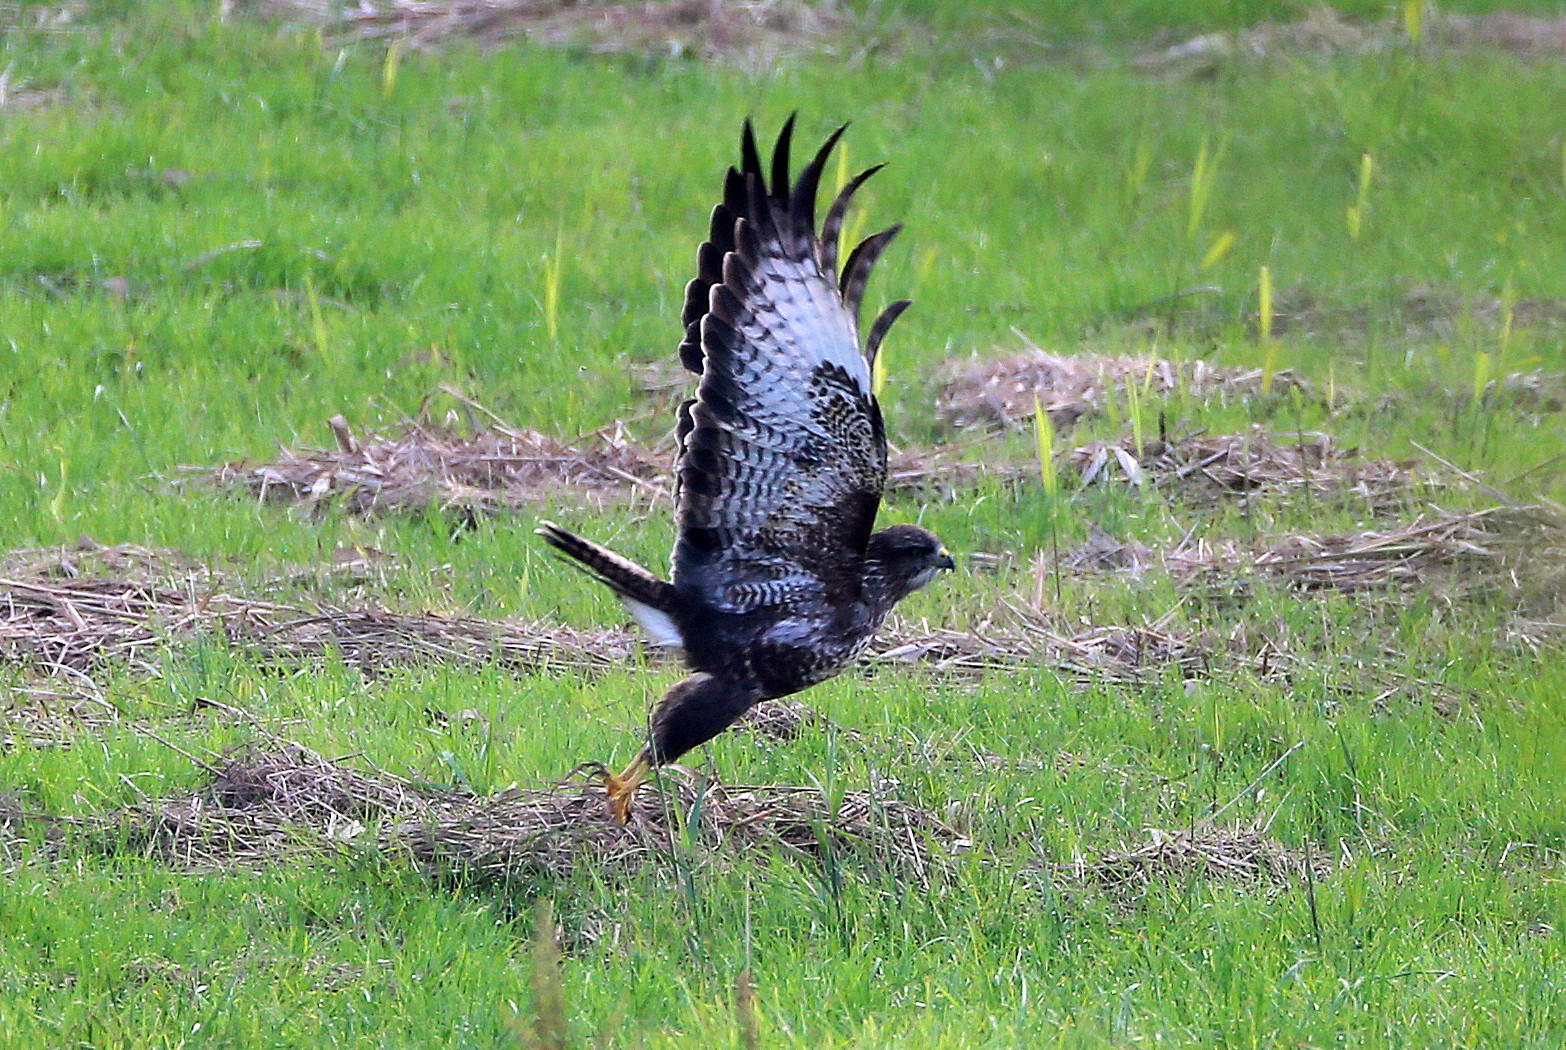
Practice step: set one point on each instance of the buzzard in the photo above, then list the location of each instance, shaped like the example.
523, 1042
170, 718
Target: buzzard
778, 580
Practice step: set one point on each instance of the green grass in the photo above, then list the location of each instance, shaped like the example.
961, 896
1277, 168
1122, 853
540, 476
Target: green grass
338, 244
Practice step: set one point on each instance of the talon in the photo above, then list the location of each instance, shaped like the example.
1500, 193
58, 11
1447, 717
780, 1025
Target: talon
598, 769
620, 788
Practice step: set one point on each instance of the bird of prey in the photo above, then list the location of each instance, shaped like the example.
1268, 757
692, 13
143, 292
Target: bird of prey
779, 580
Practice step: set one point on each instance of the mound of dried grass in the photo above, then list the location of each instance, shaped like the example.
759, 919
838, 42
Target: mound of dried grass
998, 392
1127, 654
74, 627
39, 713
749, 30
259, 807
65, 613
86, 557
1325, 32
263, 805
1420, 313
471, 471
1002, 392
1454, 551
485, 468
1500, 550
927, 474
62, 630
1536, 391
1208, 852
68, 612
1207, 467
1196, 467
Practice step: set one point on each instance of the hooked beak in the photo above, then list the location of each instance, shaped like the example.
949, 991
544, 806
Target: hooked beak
943, 559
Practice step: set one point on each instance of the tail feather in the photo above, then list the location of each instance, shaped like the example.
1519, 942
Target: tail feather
651, 600
621, 575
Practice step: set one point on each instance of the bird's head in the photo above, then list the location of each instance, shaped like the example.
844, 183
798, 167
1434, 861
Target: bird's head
905, 558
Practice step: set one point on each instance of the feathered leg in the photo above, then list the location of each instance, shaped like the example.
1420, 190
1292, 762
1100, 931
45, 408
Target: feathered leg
690, 714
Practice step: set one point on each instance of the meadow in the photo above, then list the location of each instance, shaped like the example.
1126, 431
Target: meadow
1234, 378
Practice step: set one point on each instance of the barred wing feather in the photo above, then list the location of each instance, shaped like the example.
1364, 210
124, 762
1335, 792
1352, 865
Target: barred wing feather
782, 452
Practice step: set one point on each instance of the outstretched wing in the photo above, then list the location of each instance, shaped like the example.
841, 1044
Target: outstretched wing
782, 452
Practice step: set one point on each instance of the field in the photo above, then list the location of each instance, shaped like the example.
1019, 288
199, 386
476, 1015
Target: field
1234, 378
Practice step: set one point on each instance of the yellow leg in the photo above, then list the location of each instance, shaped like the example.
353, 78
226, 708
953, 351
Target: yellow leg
622, 788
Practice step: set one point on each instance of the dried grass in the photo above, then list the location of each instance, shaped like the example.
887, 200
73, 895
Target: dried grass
1207, 852
67, 613
1194, 468
1304, 467
933, 474
1419, 314
19, 96
1000, 393
1476, 551
475, 466
1513, 551
43, 18
265, 805
482, 468
1323, 32
467, 471
1536, 391
1126, 654
38, 716
749, 30
73, 628
86, 557
63, 628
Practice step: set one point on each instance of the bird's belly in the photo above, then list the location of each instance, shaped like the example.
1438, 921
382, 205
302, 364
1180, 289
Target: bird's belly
796, 655
780, 654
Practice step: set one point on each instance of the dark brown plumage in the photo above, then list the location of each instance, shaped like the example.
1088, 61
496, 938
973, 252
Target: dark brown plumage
779, 581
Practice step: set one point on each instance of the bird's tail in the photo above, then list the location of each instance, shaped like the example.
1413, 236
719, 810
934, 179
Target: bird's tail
651, 600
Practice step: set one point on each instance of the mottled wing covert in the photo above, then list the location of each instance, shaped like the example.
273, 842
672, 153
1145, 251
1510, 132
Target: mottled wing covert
782, 452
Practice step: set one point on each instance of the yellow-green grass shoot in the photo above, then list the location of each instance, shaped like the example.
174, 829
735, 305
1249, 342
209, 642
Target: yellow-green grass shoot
390, 67
554, 262
1264, 329
1044, 432
1414, 20
1136, 171
317, 319
1134, 407
1219, 250
927, 261
878, 372
1361, 206
1204, 174
1481, 376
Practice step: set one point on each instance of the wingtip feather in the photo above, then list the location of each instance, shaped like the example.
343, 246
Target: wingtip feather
779, 190
833, 226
